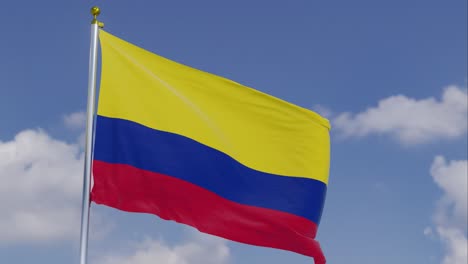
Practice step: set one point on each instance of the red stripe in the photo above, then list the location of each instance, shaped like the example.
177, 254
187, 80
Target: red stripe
134, 190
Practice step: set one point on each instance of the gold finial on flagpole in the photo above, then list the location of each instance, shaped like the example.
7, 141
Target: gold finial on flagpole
95, 11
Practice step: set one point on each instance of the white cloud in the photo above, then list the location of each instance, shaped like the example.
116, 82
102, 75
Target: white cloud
323, 111
452, 178
202, 249
410, 120
40, 188
456, 245
451, 212
428, 232
75, 120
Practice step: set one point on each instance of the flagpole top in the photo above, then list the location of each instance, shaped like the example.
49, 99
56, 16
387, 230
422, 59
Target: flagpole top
96, 11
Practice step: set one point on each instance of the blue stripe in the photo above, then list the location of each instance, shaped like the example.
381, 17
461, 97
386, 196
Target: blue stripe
125, 142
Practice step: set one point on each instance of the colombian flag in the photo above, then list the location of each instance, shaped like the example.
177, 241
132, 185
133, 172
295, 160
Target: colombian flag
208, 152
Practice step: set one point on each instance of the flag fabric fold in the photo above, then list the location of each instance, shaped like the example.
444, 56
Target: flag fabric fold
208, 152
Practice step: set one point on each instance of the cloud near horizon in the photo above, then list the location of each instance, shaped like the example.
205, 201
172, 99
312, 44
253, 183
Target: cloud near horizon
76, 120
200, 249
41, 188
450, 216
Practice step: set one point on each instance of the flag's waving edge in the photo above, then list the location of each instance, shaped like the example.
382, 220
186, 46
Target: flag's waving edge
205, 151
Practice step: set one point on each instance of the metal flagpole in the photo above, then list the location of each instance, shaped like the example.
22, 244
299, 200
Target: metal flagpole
89, 134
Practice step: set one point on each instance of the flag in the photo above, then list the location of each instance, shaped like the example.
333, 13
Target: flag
205, 151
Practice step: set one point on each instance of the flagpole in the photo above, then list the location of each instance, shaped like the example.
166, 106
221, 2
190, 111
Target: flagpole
89, 135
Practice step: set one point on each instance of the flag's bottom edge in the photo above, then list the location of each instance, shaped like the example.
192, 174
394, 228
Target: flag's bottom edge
134, 190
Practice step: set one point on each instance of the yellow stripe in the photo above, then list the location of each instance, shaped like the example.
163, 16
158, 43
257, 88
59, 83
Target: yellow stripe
258, 130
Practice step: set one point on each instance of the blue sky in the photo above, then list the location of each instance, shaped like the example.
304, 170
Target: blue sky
390, 75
